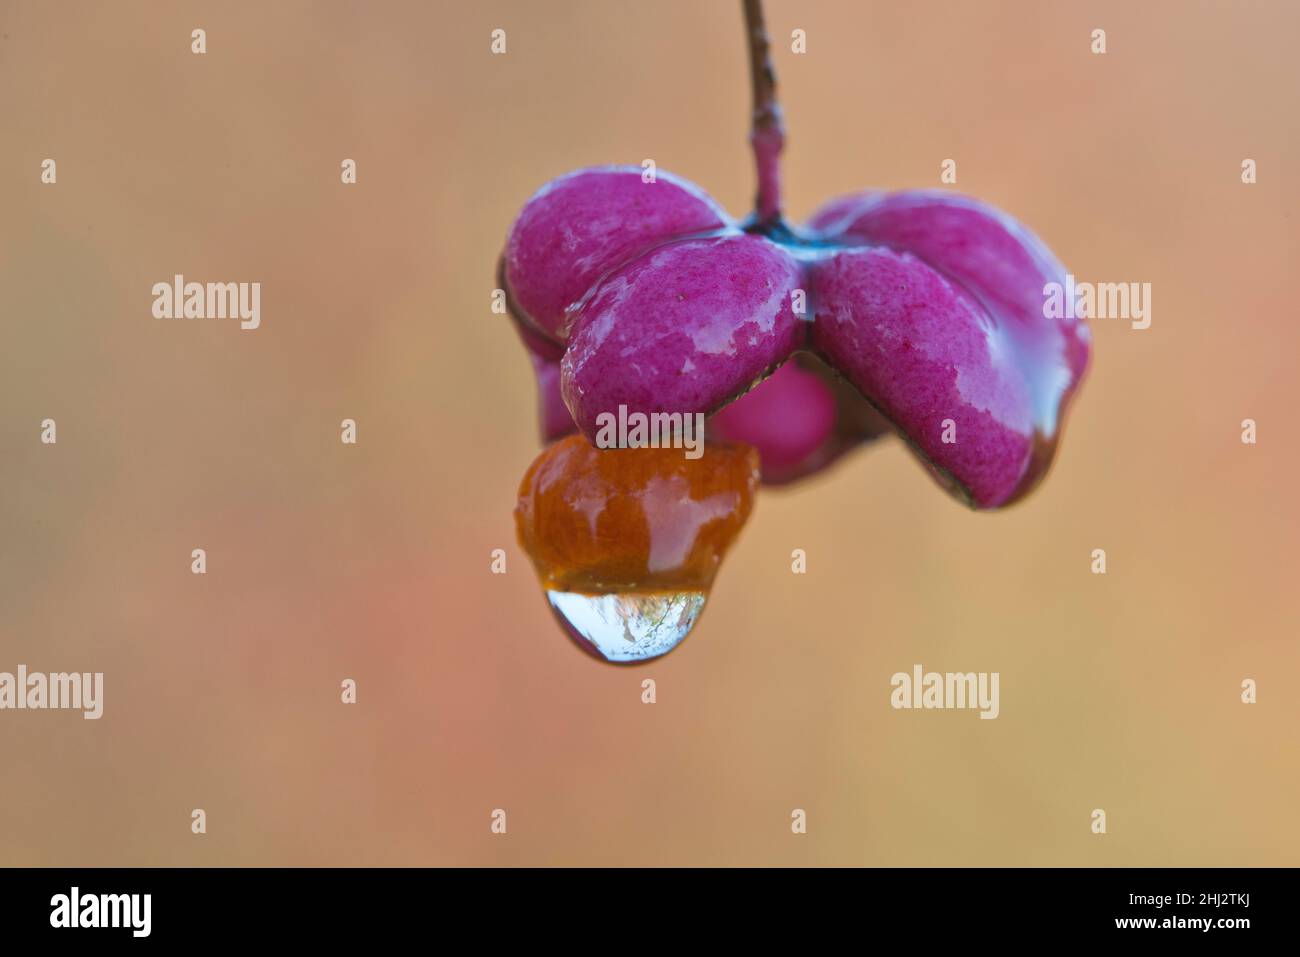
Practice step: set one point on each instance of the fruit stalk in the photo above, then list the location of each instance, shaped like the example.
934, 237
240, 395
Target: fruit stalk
767, 137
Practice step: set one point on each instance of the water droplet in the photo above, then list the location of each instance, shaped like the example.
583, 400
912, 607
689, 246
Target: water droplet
628, 626
627, 542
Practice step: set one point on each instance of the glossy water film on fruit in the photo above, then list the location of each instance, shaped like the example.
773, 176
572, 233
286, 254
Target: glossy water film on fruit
627, 542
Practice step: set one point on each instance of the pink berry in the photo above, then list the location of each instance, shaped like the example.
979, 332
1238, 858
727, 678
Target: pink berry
643, 296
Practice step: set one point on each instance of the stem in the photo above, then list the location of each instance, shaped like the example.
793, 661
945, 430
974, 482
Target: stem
767, 137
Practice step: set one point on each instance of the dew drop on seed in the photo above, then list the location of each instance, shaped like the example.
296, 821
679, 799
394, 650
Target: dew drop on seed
628, 626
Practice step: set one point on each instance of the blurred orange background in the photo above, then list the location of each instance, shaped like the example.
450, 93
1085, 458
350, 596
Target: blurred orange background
328, 561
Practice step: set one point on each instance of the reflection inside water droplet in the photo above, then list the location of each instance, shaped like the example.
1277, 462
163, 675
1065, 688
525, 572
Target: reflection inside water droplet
629, 626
